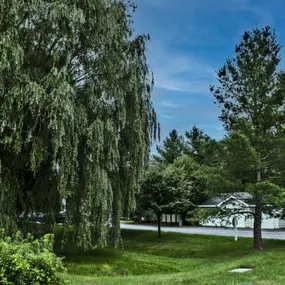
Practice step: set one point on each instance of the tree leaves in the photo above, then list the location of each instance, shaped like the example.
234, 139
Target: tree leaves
251, 95
76, 113
172, 148
166, 189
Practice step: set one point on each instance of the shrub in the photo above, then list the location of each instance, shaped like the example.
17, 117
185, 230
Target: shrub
29, 261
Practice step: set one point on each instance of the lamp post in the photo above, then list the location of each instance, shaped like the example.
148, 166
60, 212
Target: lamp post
235, 223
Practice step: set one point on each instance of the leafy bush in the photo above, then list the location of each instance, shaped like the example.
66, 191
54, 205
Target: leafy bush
28, 261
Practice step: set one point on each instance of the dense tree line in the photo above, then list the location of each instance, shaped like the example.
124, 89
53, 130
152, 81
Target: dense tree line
250, 158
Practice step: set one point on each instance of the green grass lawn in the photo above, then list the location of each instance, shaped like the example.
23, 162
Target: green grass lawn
178, 259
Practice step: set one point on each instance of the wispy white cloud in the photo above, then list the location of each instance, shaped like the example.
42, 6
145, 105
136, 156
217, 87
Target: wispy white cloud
262, 13
220, 129
191, 7
179, 72
185, 72
180, 85
190, 39
169, 104
166, 117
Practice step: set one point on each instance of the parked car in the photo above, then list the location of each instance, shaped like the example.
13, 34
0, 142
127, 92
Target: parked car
144, 217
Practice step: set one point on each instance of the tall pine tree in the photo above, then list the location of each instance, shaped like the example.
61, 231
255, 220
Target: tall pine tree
251, 95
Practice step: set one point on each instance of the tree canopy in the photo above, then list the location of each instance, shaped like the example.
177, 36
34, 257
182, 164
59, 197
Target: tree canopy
199, 145
189, 153
251, 96
167, 189
171, 149
76, 113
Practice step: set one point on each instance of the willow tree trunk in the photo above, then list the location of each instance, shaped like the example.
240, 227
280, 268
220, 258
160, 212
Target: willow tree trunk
258, 214
159, 225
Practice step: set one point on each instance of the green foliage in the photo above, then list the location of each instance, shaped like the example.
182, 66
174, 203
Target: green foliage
28, 261
273, 195
205, 152
166, 190
251, 96
197, 215
155, 193
177, 177
171, 149
251, 88
186, 155
76, 114
200, 146
238, 161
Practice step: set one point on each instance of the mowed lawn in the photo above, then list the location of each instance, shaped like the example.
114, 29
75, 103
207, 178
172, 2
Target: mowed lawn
177, 259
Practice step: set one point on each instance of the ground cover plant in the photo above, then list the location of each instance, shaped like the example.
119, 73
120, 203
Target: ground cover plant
25, 260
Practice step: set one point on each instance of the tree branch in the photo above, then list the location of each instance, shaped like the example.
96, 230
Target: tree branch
23, 19
45, 165
272, 152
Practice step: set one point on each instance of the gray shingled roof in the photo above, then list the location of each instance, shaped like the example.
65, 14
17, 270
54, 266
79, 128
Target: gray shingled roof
243, 196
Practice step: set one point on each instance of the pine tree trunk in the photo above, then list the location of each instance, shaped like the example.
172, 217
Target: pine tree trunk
257, 224
159, 225
258, 214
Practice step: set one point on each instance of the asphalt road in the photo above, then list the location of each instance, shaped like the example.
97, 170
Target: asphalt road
270, 234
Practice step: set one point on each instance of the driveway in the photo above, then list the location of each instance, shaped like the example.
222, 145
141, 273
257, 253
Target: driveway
270, 234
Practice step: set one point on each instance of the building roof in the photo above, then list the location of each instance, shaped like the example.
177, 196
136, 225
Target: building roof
242, 196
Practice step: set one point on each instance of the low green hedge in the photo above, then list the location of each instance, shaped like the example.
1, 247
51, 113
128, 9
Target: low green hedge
29, 261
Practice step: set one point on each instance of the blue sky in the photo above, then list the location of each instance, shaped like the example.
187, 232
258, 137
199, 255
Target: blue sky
190, 41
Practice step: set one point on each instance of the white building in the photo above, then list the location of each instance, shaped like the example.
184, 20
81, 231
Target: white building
171, 218
237, 202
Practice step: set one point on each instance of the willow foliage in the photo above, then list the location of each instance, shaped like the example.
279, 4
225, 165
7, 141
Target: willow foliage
75, 111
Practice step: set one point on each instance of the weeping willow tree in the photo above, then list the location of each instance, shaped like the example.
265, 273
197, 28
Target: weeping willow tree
75, 112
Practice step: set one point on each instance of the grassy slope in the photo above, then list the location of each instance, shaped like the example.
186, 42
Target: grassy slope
178, 259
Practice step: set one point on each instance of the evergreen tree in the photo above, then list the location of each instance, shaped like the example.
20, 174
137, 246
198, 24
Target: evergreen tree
201, 147
251, 96
171, 149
